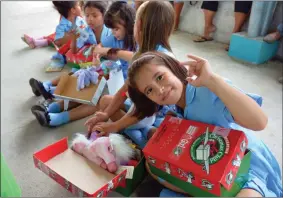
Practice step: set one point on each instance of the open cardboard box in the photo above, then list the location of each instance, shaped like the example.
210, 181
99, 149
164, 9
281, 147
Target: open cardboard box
67, 88
76, 173
201, 159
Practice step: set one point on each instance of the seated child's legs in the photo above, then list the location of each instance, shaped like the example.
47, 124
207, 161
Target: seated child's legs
57, 107
82, 111
58, 119
140, 136
137, 137
148, 121
46, 88
249, 193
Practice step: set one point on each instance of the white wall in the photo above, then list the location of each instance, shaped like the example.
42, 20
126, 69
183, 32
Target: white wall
192, 21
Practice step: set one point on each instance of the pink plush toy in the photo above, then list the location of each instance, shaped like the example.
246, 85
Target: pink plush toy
107, 152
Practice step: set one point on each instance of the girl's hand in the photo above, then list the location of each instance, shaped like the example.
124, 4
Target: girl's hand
105, 128
98, 117
100, 50
72, 35
199, 71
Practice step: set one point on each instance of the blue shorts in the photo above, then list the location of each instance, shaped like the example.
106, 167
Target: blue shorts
139, 131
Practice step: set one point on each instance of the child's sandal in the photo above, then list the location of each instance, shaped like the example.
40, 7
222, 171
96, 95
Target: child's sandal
29, 41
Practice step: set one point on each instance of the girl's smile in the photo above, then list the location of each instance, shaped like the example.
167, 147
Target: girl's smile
159, 84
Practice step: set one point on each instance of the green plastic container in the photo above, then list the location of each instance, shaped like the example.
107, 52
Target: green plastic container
9, 186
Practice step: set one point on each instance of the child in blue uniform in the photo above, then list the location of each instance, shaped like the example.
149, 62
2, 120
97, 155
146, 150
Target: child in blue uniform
150, 35
69, 11
94, 12
201, 95
54, 115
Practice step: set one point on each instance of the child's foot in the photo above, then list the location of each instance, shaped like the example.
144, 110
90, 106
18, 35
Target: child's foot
272, 37
206, 36
34, 90
201, 39
41, 116
37, 85
29, 41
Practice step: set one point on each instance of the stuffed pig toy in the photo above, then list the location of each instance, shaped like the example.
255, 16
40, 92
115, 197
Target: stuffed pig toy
107, 152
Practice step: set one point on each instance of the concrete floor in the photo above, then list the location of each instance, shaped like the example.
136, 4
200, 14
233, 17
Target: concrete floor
21, 135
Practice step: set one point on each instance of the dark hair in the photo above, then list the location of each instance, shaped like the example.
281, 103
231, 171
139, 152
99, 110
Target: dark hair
157, 24
120, 12
144, 107
63, 7
100, 5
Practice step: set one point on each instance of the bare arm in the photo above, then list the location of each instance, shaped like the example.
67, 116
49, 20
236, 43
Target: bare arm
62, 41
117, 101
244, 109
126, 121
125, 55
121, 54
74, 48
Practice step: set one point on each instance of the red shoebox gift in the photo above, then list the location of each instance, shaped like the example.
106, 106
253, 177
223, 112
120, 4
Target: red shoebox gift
75, 173
205, 156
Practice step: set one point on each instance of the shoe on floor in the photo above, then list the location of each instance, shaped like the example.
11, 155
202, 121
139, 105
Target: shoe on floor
33, 88
39, 107
37, 85
41, 116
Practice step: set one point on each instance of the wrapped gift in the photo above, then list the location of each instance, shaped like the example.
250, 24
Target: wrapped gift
201, 159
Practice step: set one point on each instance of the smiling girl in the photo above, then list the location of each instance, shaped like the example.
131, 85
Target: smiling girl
201, 95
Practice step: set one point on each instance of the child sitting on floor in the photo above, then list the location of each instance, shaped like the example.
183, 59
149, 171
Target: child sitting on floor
94, 12
69, 10
201, 95
120, 18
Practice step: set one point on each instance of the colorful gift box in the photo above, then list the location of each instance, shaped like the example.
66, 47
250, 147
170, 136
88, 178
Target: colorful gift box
201, 159
74, 172
61, 164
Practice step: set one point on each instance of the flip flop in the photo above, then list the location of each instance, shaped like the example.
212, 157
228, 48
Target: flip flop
202, 39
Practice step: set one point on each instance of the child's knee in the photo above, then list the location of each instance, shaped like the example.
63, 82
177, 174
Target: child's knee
151, 132
248, 193
105, 101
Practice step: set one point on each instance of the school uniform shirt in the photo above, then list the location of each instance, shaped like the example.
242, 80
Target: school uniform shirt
264, 174
111, 42
89, 38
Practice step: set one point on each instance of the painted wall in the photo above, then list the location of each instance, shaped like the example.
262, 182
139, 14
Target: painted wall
192, 21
